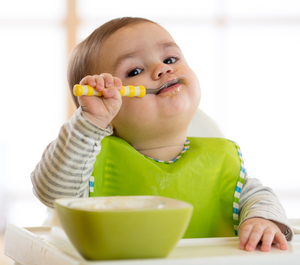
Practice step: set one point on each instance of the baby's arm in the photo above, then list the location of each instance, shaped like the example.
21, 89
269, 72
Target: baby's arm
67, 163
262, 218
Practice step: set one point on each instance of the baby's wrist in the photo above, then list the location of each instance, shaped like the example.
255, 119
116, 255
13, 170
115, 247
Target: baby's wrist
101, 123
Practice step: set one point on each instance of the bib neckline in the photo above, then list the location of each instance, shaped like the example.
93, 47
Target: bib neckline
185, 148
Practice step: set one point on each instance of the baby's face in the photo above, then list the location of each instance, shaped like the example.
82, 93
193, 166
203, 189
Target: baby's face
146, 54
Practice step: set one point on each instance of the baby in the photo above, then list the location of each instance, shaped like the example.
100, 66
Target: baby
144, 145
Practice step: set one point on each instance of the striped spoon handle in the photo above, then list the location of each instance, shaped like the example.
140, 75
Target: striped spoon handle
126, 91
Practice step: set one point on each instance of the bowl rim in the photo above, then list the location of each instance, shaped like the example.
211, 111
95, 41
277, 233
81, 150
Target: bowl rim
167, 203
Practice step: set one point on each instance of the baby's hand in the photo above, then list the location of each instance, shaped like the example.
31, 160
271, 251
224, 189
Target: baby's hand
254, 230
101, 110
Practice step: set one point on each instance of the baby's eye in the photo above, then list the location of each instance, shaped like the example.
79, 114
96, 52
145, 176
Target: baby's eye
134, 72
170, 60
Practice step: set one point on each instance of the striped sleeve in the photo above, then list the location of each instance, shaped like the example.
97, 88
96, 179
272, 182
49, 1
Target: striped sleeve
67, 162
259, 201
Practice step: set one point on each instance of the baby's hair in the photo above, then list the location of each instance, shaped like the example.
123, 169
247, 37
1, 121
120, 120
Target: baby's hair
85, 56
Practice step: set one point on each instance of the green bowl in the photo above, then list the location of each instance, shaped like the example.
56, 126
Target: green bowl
123, 227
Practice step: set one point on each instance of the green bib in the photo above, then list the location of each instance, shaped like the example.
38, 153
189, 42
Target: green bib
206, 176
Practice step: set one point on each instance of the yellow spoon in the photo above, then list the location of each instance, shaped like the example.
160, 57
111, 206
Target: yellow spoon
126, 91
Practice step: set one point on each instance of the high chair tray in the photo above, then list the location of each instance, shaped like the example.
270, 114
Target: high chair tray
49, 245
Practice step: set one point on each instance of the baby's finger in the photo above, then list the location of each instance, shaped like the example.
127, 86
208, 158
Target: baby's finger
267, 240
254, 238
244, 234
108, 79
88, 80
112, 92
118, 83
281, 240
99, 82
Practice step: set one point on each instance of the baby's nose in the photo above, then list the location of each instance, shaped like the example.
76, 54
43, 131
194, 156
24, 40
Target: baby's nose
162, 69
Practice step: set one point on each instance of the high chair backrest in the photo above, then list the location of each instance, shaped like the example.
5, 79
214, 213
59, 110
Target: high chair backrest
204, 126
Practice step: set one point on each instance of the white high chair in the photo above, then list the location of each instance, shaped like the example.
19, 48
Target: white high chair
204, 126
201, 126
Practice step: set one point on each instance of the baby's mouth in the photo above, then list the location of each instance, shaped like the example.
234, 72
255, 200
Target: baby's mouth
164, 86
